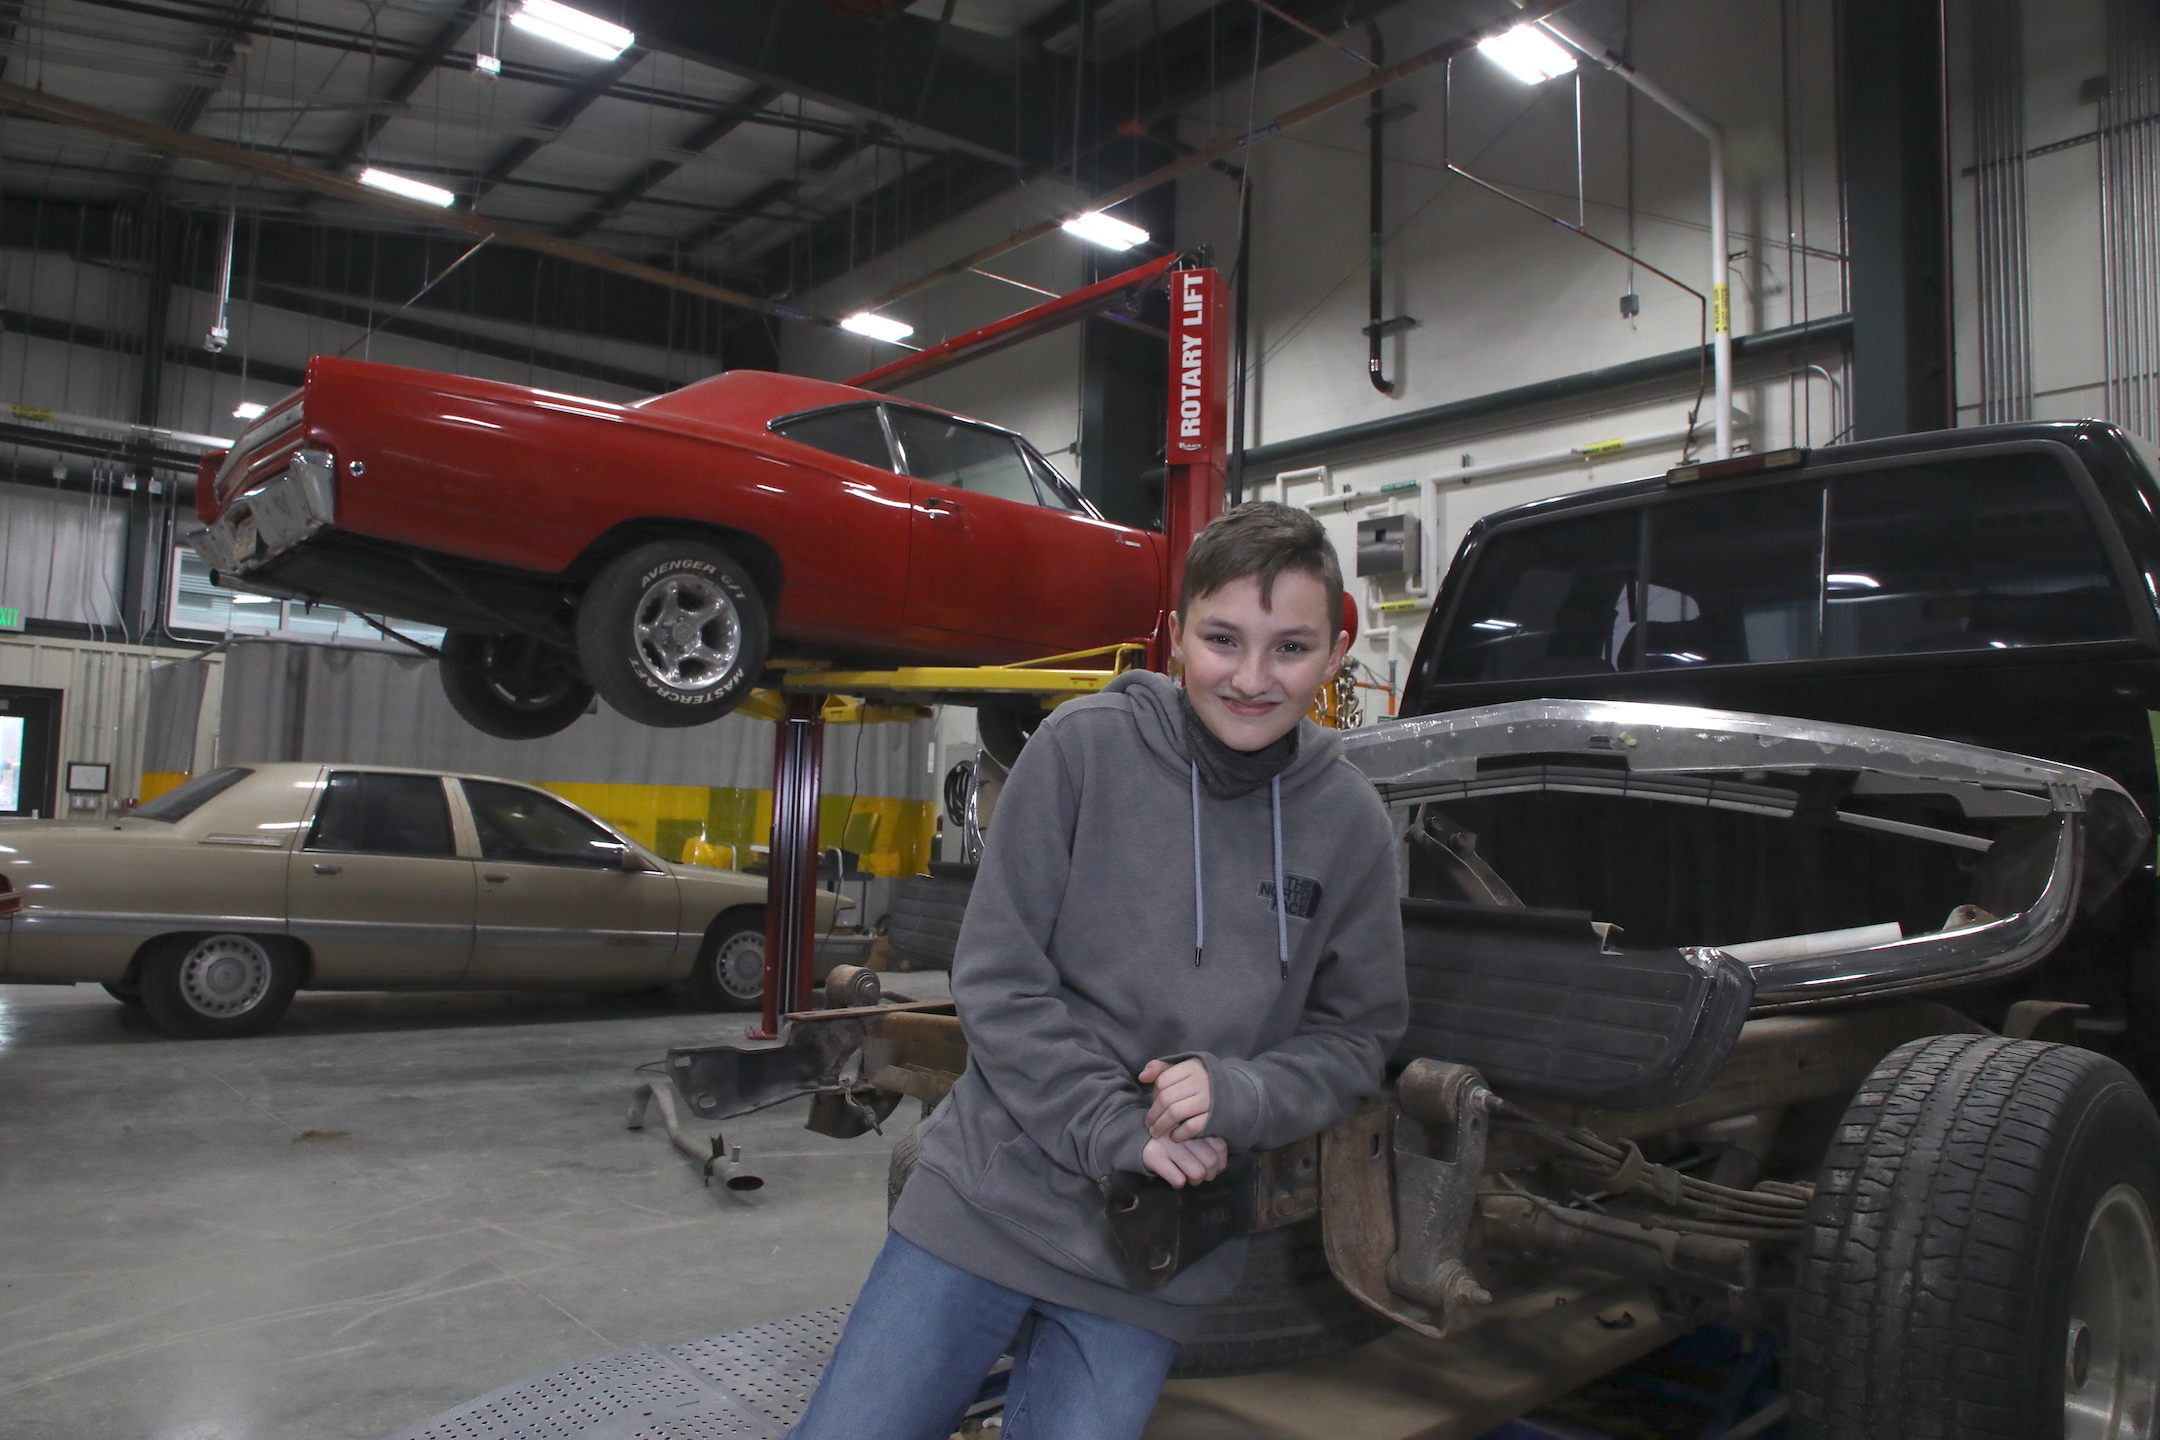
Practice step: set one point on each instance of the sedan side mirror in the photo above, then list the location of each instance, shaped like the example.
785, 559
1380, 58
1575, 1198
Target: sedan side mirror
628, 859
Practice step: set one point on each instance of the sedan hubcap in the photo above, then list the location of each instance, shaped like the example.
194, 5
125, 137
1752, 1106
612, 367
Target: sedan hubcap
740, 965
224, 976
2111, 1364
688, 636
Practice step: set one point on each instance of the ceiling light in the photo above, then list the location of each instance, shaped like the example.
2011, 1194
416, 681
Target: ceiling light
1109, 233
248, 410
1852, 582
1528, 54
574, 28
398, 184
877, 327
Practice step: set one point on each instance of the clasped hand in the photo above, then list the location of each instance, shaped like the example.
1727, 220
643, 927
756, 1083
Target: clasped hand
1177, 1150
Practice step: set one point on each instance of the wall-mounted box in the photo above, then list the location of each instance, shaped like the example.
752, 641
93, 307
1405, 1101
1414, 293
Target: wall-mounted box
1388, 545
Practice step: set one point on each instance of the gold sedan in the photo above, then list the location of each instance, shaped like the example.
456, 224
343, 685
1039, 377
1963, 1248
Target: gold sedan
213, 903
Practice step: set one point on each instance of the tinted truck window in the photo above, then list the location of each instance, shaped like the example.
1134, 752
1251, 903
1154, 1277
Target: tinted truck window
1733, 577
1996, 552
1544, 600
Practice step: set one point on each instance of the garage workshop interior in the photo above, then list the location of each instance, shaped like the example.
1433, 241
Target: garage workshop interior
535, 536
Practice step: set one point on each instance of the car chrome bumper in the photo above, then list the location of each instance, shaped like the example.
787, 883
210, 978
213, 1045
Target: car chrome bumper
2085, 832
270, 521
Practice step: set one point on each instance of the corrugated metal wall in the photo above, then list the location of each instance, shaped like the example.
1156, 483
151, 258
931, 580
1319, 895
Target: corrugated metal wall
106, 692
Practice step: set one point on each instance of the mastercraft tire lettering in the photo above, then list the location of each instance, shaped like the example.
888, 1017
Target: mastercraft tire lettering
673, 633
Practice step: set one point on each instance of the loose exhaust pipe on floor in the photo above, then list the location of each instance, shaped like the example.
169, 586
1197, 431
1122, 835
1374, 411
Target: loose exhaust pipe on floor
723, 1164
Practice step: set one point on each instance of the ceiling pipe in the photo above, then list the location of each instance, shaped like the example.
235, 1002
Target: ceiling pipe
1297, 115
1720, 255
168, 141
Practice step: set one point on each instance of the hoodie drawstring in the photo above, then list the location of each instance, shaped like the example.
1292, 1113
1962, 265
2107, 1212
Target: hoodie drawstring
1199, 892
1282, 896
1199, 897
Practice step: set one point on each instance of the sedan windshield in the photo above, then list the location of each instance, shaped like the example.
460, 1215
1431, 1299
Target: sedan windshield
186, 800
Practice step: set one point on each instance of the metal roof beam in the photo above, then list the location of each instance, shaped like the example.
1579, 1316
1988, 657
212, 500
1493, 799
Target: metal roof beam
557, 120
423, 64
697, 142
875, 71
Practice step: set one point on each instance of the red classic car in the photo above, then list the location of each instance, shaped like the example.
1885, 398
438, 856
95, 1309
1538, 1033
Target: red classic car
662, 553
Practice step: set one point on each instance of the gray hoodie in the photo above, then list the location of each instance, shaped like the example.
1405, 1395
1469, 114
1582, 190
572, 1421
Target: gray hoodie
1082, 958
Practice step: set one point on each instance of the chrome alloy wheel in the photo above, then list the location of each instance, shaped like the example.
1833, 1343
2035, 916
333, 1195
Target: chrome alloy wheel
688, 635
739, 966
2111, 1367
225, 976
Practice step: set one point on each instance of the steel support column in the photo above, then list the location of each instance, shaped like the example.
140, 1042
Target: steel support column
791, 862
1891, 94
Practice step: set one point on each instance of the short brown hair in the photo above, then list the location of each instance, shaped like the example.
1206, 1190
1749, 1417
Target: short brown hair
1261, 539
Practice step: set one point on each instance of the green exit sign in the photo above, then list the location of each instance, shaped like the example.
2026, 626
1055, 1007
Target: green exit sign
11, 617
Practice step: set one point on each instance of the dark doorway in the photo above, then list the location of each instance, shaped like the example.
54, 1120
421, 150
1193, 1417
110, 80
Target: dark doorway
29, 752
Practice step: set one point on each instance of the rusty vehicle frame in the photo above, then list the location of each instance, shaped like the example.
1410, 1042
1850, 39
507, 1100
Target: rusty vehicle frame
1454, 1194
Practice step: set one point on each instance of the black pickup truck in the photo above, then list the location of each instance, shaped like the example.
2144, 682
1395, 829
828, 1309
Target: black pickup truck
1996, 586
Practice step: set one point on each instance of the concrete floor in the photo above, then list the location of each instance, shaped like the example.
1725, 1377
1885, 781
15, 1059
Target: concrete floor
384, 1207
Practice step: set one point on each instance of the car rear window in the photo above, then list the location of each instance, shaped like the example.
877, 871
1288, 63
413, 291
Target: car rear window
367, 812
852, 434
1993, 551
184, 800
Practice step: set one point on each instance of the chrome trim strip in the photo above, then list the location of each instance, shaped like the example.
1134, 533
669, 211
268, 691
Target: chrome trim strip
550, 937
36, 921
380, 932
1999, 948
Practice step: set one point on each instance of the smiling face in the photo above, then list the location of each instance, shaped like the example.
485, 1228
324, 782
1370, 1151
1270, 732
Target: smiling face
1252, 669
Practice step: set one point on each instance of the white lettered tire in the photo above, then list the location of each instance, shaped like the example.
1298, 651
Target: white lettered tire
673, 633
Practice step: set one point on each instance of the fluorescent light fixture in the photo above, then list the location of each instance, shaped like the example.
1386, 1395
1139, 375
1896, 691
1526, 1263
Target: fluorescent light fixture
1852, 582
588, 34
248, 410
877, 327
1528, 54
1495, 626
398, 184
1103, 230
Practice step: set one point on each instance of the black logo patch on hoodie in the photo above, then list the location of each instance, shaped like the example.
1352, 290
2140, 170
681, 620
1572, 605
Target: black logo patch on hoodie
1304, 894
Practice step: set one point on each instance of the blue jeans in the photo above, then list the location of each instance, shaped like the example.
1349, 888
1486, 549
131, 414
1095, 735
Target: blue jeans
923, 1334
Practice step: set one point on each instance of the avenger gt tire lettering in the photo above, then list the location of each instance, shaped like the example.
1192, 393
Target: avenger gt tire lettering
673, 633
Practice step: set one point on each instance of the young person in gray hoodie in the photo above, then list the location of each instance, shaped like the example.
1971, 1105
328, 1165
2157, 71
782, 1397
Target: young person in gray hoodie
1125, 935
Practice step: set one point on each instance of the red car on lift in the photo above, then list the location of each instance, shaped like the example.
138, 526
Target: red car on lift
662, 553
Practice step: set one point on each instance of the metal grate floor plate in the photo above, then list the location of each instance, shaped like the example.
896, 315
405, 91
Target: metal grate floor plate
744, 1385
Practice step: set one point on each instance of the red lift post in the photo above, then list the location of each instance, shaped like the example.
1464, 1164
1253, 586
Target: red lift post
1195, 457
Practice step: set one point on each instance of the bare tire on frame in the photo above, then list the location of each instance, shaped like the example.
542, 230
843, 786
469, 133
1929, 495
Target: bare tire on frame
1981, 1261
513, 687
673, 633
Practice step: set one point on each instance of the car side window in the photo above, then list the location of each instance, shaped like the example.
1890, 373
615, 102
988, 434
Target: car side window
517, 824
1733, 578
364, 812
1547, 600
1995, 552
1057, 492
853, 433
971, 457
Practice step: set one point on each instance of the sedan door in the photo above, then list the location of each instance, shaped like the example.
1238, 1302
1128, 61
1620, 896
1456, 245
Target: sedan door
556, 906
377, 891
1002, 548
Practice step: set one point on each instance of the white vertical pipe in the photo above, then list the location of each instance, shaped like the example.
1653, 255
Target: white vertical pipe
1720, 252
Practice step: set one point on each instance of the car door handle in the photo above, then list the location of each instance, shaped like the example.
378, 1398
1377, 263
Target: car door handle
329, 869
936, 504
496, 879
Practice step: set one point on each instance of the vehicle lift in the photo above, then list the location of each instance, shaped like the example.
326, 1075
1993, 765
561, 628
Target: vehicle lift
1196, 473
